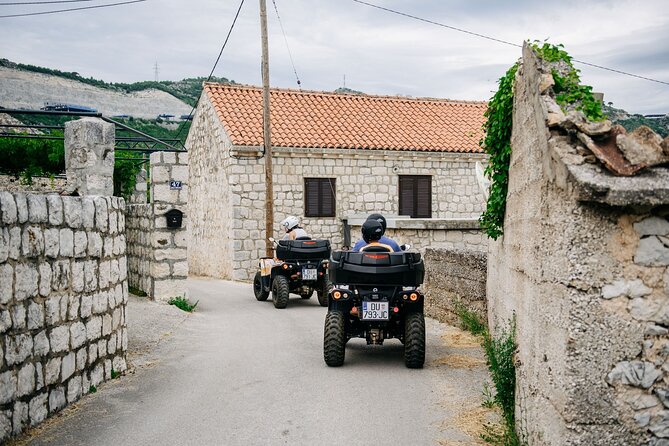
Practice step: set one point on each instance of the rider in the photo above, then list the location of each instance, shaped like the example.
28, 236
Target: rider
291, 225
383, 239
372, 231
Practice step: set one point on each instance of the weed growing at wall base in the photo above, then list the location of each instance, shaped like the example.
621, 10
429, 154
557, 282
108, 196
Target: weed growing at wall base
183, 303
499, 352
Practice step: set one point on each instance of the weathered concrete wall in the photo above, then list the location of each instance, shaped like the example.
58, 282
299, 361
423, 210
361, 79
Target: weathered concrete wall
158, 255
228, 237
587, 285
454, 277
63, 295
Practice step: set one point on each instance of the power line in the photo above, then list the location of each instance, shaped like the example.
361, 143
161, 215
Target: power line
71, 9
290, 55
215, 63
42, 3
483, 36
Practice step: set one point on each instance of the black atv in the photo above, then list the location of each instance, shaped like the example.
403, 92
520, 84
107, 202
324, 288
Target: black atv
300, 267
375, 297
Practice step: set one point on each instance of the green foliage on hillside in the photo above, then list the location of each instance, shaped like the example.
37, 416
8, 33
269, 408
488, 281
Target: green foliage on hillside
188, 90
630, 122
32, 157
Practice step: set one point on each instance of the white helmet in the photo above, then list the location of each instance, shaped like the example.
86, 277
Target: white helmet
290, 222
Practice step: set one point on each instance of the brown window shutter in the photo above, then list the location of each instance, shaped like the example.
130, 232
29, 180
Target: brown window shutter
319, 197
423, 197
415, 196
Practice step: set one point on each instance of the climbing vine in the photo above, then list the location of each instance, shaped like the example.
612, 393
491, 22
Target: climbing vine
497, 143
569, 94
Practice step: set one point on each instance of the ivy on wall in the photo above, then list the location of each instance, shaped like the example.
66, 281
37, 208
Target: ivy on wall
497, 143
569, 94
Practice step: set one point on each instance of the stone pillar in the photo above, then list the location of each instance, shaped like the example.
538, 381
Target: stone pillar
138, 195
169, 191
89, 157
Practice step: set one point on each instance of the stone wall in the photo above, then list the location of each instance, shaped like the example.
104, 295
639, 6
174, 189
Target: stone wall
454, 277
157, 255
63, 295
421, 234
138, 229
582, 267
227, 234
211, 206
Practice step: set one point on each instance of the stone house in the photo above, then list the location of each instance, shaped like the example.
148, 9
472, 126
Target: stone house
335, 157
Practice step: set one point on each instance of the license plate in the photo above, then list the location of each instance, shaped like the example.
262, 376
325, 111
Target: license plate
375, 311
309, 274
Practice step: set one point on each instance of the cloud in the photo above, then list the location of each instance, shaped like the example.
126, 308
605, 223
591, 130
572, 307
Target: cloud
378, 52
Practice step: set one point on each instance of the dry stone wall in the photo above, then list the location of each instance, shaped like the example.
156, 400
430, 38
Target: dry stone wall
63, 295
582, 267
455, 277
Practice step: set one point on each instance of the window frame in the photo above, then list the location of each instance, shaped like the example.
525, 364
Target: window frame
323, 184
415, 212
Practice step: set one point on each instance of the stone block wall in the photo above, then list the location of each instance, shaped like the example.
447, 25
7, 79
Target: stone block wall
63, 295
158, 255
582, 267
138, 229
453, 276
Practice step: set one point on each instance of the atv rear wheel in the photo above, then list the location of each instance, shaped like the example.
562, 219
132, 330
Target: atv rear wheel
280, 292
258, 288
414, 340
323, 292
334, 339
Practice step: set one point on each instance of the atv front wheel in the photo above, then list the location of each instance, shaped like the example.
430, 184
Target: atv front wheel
334, 339
414, 340
258, 288
280, 292
323, 292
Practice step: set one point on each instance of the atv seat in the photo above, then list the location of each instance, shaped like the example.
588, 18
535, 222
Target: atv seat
303, 249
372, 268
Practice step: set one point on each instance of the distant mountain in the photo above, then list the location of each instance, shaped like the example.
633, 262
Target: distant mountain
188, 90
632, 121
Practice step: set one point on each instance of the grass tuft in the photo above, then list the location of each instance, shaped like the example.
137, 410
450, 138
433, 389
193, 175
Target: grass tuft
183, 303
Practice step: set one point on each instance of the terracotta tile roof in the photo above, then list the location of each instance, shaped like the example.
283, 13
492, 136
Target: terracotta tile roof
330, 120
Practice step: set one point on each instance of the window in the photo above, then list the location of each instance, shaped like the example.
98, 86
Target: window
319, 197
416, 196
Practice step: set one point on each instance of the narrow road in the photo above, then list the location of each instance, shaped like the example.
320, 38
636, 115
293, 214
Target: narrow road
240, 372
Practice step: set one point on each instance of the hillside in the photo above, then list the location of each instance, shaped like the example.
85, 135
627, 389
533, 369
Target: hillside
630, 122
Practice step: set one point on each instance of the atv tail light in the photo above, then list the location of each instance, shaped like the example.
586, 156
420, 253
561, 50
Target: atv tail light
396, 310
354, 311
285, 266
336, 294
405, 296
345, 295
321, 273
413, 297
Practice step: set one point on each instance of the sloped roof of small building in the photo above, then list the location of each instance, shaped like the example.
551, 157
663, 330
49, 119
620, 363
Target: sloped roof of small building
330, 120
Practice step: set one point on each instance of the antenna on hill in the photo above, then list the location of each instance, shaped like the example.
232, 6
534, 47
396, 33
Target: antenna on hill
344, 80
155, 71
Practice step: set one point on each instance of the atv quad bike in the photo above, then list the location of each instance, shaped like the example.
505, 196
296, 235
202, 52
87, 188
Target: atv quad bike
300, 267
375, 297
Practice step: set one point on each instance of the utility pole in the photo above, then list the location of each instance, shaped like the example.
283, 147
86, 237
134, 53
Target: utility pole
267, 137
155, 70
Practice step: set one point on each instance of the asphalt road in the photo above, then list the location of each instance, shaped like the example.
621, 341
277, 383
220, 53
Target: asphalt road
240, 372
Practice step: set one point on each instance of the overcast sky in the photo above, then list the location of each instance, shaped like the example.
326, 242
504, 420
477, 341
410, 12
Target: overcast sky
377, 52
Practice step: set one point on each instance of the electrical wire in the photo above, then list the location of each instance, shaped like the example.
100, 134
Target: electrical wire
483, 36
42, 3
215, 63
70, 9
290, 55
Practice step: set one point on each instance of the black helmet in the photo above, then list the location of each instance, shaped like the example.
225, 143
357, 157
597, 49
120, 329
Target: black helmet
371, 231
380, 218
